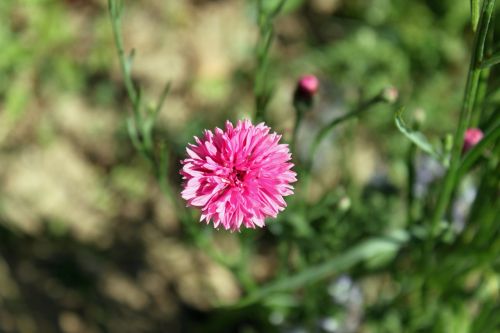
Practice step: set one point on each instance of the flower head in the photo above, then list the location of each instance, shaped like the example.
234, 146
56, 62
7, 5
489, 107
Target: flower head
471, 138
390, 94
237, 176
308, 84
306, 89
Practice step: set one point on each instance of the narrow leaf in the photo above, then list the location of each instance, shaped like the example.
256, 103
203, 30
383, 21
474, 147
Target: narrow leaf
129, 62
163, 96
365, 251
133, 134
416, 137
475, 13
491, 61
278, 9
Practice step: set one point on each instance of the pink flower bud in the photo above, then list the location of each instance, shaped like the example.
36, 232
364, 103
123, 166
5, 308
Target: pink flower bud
390, 94
471, 138
308, 84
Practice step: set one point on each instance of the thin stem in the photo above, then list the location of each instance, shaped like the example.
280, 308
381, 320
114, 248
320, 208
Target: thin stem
322, 134
139, 134
465, 114
491, 61
262, 87
140, 131
482, 89
410, 167
296, 125
115, 12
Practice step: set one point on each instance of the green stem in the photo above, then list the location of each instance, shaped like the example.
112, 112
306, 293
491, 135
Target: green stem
477, 117
140, 132
491, 61
322, 134
346, 260
410, 167
299, 115
465, 114
262, 88
136, 124
115, 12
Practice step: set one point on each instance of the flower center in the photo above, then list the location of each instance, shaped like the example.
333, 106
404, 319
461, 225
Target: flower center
237, 177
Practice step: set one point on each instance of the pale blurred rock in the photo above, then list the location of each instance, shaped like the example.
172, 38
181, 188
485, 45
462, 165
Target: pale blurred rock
124, 290
160, 52
56, 184
363, 160
165, 216
159, 291
263, 267
174, 115
207, 285
199, 281
222, 49
92, 128
325, 6
71, 323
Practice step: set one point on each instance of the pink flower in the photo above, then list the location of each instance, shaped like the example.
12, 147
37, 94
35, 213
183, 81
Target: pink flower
238, 176
390, 94
471, 138
308, 85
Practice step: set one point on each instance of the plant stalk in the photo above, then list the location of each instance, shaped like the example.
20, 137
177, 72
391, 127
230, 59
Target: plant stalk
471, 89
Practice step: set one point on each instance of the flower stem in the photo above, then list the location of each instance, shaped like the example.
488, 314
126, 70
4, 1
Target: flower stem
465, 114
410, 167
363, 107
115, 12
141, 135
491, 61
262, 87
298, 120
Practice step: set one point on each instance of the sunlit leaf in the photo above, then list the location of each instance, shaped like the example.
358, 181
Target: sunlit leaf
363, 252
416, 137
475, 12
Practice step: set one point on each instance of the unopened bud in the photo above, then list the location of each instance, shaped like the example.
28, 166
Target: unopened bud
390, 95
471, 138
307, 87
308, 84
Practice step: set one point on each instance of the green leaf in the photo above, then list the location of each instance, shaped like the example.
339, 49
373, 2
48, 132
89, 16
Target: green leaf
416, 137
487, 319
278, 9
491, 61
161, 100
475, 6
129, 61
363, 252
133, 134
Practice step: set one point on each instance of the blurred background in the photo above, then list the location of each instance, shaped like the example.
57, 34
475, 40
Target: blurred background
88, 243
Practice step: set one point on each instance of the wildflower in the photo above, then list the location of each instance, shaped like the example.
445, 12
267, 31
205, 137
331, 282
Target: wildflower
308, 84
238, 176
390, 95
307, 87
471, 138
